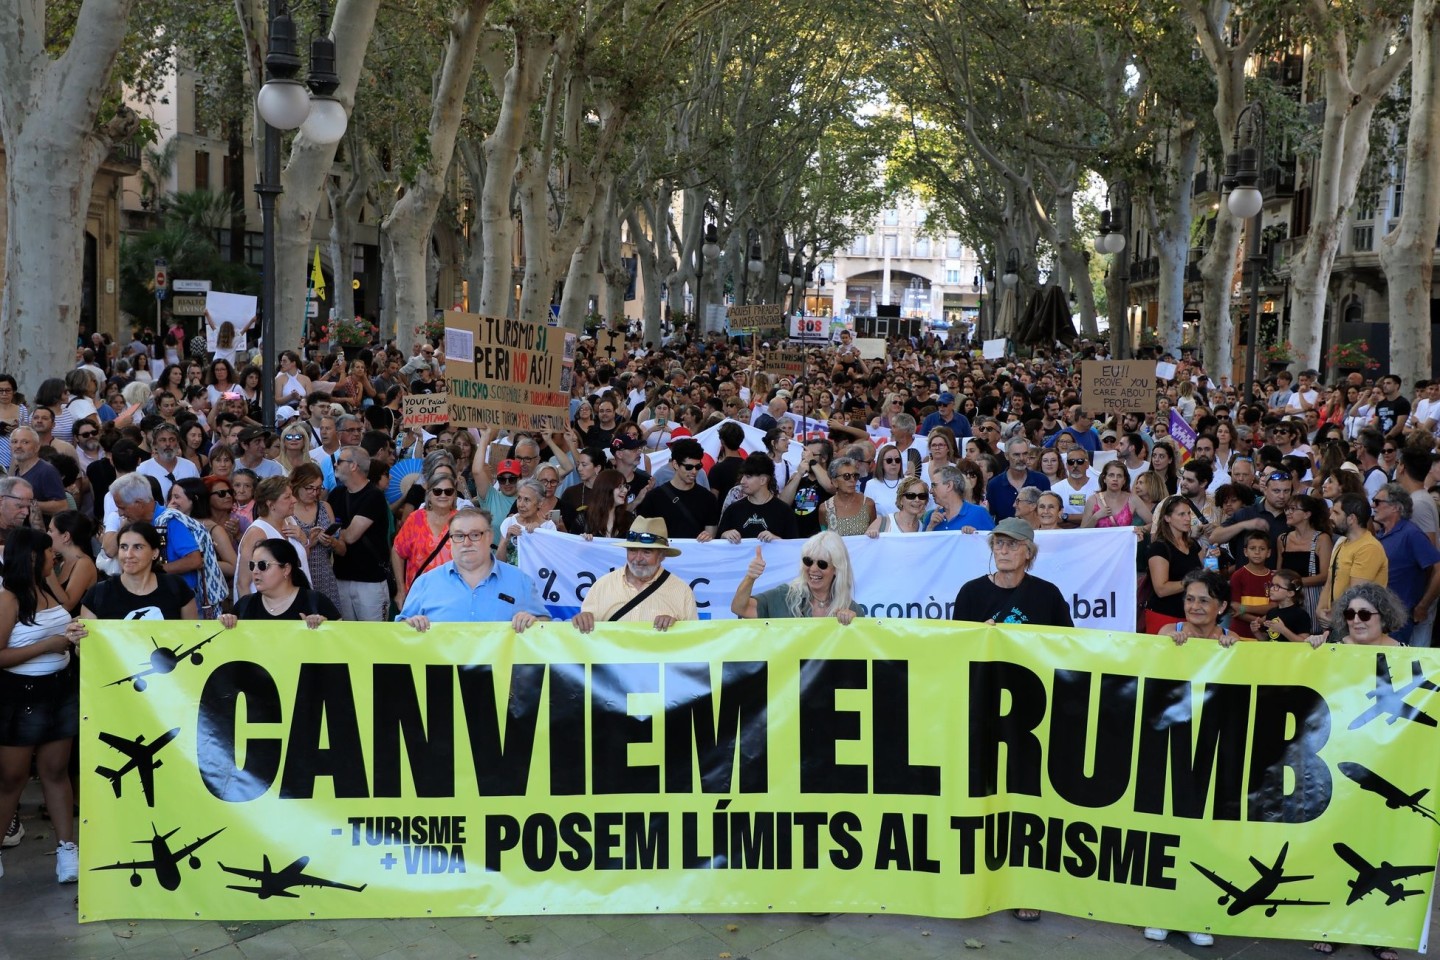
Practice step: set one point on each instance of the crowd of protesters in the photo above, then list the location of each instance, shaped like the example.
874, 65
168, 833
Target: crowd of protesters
130, 493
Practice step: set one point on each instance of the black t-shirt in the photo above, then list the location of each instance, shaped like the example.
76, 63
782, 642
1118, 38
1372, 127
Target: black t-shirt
1296, 620
1391, 412
686, 512
637, 485
752, 519
365, 559
1278, 529
109, 600
598, 436
808, 497
251, 607
724, 475
1033, 601
571, 500
418, 386
1180, 564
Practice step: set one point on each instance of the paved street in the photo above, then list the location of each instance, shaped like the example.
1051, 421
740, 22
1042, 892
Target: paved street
37, 922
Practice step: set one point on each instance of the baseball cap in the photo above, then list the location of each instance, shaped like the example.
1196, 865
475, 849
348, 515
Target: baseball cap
284, 413
1015, 529
1108, 435
946, 398
511, 467
252, 433
626, 442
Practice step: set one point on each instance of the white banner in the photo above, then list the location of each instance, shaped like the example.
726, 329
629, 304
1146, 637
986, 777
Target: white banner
907, 576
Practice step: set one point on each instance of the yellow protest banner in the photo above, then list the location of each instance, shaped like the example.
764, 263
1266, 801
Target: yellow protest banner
925, 768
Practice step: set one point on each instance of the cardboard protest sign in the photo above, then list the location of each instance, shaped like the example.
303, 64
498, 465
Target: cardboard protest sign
1117, 386
509, 374
755, 318
786, 361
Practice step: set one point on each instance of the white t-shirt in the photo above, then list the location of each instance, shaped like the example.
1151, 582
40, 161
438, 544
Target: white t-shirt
1309, 397
1425, 516
183, 468
1075, 499
661, 437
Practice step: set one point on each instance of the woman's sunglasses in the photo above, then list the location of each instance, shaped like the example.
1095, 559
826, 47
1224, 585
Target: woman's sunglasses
263, 565
1364, 616
825, 565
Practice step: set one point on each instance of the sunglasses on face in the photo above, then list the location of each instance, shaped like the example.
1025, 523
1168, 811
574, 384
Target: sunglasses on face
1077, 463
812, 562
892, 460
222, 493
263, 565
1364, 616
847, 476
916, 496
443, 491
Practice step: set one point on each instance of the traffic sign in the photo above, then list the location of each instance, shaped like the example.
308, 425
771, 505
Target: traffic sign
191, 286
162, 275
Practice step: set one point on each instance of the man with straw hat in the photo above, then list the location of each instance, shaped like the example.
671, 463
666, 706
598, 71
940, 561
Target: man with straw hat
642, 591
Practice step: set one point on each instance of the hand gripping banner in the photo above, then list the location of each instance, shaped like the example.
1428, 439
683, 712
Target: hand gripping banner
937, 769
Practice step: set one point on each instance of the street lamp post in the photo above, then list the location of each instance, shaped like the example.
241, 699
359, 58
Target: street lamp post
709, 250
1113, 231
284, 103
800, 275
978, 286
753, 265
1242, 179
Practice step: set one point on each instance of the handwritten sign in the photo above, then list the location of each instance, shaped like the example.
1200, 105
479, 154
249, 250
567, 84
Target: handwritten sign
516, 375
1117, 386
425, 410
871, 348
786, 362
754, 318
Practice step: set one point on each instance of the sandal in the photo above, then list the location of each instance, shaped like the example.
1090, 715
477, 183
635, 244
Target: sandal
1385, 953
1025, 915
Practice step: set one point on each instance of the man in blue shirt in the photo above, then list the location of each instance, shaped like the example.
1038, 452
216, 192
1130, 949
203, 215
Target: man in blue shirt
1414, 563
1001, 490
474, 587
1078, 430
952, 510
945, 416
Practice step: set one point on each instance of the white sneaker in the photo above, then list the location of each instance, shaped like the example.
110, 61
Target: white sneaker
1201, 939
1156, 933
67, 863
14, 833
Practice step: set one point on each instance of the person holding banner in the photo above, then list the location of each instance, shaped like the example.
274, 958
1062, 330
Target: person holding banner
911, 499
282, 591
474, 587
642, 591
1172, 554
1011, 594
823, 587
759, 512
953, 510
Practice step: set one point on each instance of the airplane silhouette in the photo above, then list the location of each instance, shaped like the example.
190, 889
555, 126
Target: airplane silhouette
163, 660
1258, 893
1389, 700
278, 883
163, 861
1385, 878
141, 759
1394, 797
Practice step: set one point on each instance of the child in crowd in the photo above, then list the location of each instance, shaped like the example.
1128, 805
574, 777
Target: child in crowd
1287, 620
1250, 586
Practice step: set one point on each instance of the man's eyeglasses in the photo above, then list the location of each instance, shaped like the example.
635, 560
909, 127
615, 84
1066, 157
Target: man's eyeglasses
471, 537
508, 478
340, 460
1077, 463
1279, 475
1377, 501
687, 466
29, 502
86, 435
528, 459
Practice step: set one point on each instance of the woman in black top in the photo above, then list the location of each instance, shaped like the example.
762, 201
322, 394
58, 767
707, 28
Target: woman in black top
282, 591
1173, 553
141, 592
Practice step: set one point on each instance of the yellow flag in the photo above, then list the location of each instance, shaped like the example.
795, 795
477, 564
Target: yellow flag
317, 279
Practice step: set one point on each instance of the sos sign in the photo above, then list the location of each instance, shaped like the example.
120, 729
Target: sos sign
810, 328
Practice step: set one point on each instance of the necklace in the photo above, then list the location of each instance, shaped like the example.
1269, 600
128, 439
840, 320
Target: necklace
887, 484
278, 607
